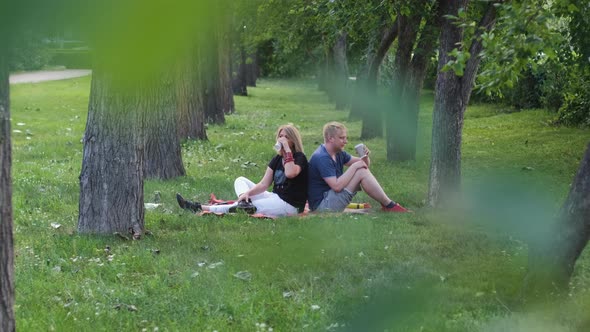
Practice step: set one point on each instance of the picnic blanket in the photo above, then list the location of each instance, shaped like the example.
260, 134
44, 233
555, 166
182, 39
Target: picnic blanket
213, 200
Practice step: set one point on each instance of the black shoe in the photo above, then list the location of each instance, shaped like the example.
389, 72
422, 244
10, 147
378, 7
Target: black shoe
245, 206
187, 205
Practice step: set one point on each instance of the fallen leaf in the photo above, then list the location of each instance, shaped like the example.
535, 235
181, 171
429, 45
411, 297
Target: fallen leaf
244, 275
214, 265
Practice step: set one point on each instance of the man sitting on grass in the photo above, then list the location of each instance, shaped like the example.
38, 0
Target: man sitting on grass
331, 189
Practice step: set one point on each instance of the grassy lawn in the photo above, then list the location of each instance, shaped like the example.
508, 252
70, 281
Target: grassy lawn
334, 272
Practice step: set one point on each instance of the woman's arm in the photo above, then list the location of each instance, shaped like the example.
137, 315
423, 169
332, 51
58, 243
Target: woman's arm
260, 186
291, 169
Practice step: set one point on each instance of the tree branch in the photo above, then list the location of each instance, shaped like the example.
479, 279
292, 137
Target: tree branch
388, 36
486, 23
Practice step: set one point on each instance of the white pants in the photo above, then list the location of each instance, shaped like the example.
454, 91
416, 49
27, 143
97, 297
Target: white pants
267, 203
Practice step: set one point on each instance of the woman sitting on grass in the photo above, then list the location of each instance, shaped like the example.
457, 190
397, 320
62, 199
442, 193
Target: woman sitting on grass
288, 171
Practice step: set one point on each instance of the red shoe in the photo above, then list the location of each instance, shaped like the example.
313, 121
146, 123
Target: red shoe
395, 208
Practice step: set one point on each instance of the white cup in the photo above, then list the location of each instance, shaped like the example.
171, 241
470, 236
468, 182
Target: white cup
360, 150
278, 146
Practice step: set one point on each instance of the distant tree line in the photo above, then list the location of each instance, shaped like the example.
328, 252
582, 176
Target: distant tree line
540, 61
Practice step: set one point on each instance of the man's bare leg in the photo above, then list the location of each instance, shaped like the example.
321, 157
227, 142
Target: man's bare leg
365, 179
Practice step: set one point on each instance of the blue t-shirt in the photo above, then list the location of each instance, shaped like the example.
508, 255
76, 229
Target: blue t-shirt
321, 165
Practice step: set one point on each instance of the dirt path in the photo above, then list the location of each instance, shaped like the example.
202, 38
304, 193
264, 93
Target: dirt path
47, 75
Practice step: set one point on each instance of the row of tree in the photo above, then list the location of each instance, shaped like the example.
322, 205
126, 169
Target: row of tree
160, 73
447, 35
493, 42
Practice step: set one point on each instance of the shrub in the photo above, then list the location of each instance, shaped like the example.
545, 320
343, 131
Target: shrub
29, 53
276, 60
575, 110
526, 93
72, 58
554, 81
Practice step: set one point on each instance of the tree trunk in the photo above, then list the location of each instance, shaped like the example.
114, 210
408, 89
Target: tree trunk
398, 121
7, 322
452, 94
224, 53
111, 180
211, 84
251, 70
370, 70
575, 214
552, 261
341, 72
411, 107
405, 146
330, 75
373, 117
323, 73
190, 108
359, 104
239, 82
163, 158
360, 101
388, 36
211, 78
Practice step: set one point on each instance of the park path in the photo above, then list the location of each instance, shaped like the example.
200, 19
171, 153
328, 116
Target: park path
47, 75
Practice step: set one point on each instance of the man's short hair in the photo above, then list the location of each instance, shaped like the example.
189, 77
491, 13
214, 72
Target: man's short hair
331, 129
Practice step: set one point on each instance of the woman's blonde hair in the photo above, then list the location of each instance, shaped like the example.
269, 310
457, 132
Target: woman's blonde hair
331, 129
292, 135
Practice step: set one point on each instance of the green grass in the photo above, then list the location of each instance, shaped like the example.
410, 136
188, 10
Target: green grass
346, 272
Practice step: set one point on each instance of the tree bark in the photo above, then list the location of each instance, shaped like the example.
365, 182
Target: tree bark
405, 134
163, 158
359, 102
388, 36
397, 119
552, 261
330, 75
239, 82
373, 118
111, 180
213, 81
341, 94
323, 72
211, 84
7, 321
251, 70
204, 90
224, 53
406, 147
190, 108
452, 94
575, 216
